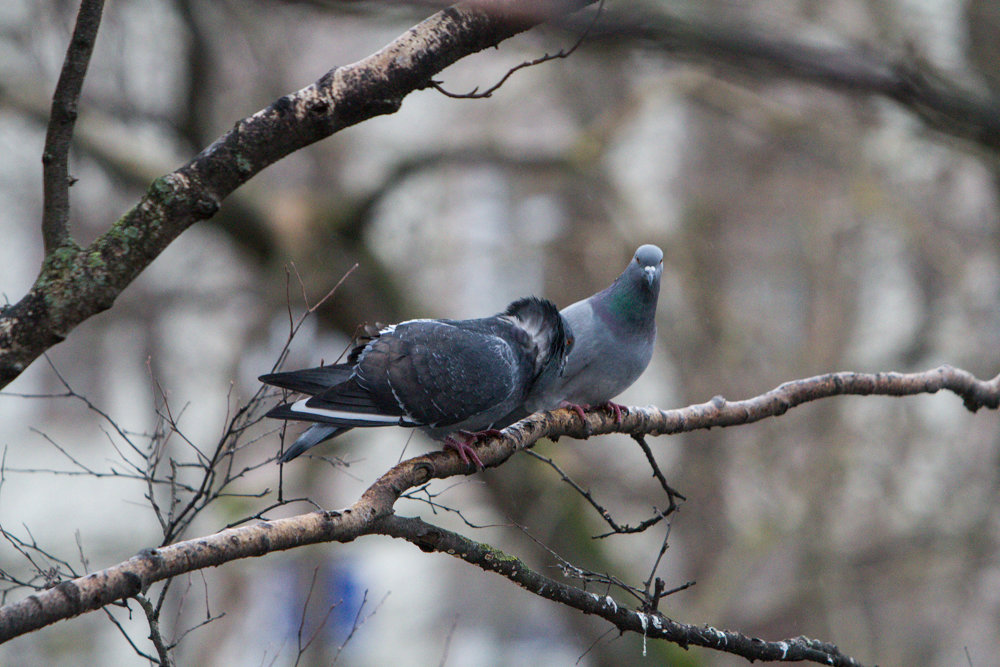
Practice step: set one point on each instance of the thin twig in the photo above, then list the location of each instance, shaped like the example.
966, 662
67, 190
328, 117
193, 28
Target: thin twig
584, 576
474, 94
302, 621
672, 493
142, 654
447, 641
431, 499
153, 619
616, 528
358, 622
594, 643
58, 136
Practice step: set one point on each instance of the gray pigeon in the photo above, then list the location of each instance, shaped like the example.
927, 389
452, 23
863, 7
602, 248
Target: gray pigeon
450, 378
615, 330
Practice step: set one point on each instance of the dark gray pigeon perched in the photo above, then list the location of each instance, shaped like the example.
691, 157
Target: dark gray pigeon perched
450, 378
615, 330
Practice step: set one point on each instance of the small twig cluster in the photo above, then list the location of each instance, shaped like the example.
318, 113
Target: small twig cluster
178, 489
181, 480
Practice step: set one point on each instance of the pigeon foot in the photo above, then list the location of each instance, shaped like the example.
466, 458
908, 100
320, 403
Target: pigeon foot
617, 409
577, 408
464, 448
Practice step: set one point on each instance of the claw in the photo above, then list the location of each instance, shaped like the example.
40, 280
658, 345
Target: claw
464, 449
578, 409
617, 409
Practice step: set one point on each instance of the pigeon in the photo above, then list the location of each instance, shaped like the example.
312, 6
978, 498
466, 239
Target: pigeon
615, 330
453, 379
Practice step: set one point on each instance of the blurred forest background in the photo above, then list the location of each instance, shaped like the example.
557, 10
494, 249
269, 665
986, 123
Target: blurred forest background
806, 230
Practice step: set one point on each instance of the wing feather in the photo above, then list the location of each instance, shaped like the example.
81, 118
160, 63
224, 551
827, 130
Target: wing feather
310, 380
439, 373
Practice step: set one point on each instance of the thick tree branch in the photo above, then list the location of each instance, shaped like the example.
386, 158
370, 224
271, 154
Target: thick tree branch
76, 283
940, 103
366, 516
65, 101
650, 625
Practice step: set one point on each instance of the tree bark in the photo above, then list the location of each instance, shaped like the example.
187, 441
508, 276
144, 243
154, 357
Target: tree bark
76, 283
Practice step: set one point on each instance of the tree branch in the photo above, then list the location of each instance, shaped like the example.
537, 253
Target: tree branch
934, 98
153, 618
76, 283
65, 101
652, 625
368, 514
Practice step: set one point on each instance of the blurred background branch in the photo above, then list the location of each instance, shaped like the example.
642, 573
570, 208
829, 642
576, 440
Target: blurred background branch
941, 103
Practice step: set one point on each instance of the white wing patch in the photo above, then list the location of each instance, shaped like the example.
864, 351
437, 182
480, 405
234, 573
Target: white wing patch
300, 406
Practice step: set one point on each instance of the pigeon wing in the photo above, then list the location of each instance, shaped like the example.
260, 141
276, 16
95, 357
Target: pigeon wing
310, 380
441, 372
349, 403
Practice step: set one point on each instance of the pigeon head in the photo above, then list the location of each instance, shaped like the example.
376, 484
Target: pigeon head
549, 332
632, 297
649, 258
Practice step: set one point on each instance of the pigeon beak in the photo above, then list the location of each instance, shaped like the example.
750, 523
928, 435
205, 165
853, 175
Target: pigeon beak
650, 274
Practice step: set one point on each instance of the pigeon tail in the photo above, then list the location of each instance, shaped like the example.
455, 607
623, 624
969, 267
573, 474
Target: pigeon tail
309, 438
309, 380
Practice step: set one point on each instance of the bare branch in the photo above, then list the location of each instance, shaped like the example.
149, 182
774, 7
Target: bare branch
423, 494
604, 580
616, 528
933, 97
372, 513
142, 654
652, 625
153, 618
303, 647
55, 158
672, 494
358, 622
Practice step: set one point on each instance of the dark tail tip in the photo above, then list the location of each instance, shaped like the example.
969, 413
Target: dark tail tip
311, 437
